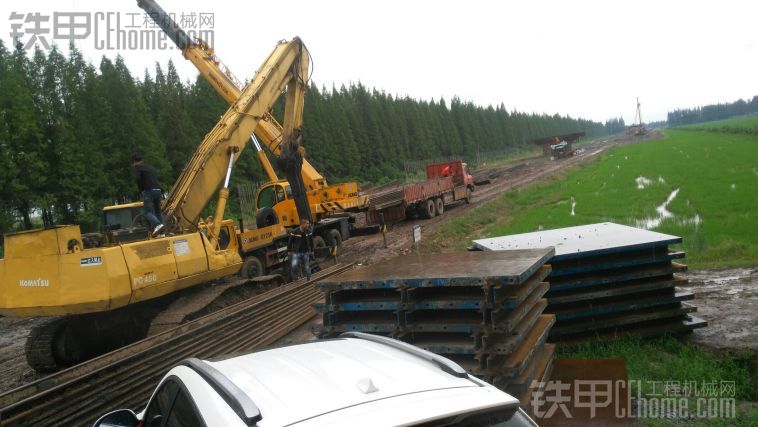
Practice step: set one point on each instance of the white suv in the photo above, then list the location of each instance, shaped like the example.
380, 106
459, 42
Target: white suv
355, 380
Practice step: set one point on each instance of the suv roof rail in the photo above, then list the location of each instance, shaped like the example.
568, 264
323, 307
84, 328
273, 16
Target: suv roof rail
237, 399
446, 365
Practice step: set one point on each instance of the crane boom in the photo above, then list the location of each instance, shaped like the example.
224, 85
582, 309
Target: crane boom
206, 170
229, 87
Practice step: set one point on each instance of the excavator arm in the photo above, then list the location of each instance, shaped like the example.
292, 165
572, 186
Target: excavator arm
223, 81
285, 68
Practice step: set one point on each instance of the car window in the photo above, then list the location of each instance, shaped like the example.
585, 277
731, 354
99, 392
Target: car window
184, 413
160, 405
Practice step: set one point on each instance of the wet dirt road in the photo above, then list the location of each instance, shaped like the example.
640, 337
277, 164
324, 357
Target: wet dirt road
728, 300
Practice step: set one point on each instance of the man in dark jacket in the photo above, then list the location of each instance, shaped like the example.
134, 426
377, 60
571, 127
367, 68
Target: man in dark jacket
300, 248
147, 182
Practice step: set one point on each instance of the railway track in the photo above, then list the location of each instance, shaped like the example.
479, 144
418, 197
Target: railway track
125, 378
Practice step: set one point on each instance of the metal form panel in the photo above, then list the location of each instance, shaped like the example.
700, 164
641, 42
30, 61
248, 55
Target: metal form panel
579, 241
615, 306
647, 329
608, 279
378, 322
446, 343
450, 298
505, 320
512, 365
622, 319
511, 297
454, 321
614, 262
446, 269
615, 276
615, 289
482, 309
534, 371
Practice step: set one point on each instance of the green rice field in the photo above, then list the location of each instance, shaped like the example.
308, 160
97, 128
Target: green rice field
702, 186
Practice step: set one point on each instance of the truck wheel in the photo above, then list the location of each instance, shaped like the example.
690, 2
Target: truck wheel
266, 217
251, 268
428, 209
333, 238
439, 205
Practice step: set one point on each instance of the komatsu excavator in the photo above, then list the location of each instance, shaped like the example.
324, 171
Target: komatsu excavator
102, 284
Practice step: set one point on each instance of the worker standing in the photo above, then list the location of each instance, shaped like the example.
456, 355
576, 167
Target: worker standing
147, 182
300, 248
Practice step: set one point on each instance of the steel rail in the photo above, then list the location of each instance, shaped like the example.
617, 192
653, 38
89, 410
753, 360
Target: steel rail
127, 376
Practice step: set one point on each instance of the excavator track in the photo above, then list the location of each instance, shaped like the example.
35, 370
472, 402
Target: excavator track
40, 346
67, 341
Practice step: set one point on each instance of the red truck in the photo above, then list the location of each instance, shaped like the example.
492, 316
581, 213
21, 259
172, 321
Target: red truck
446, 182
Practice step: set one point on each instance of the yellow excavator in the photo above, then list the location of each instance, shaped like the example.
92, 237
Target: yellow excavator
102, 284
262, 246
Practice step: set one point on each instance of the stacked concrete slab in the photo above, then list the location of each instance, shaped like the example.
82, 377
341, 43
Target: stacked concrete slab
608, 280
482, 309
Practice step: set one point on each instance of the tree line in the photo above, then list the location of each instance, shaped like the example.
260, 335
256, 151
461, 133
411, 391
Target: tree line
69, 127
712, 112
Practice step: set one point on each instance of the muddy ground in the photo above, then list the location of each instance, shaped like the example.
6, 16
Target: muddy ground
725, 298
728, 300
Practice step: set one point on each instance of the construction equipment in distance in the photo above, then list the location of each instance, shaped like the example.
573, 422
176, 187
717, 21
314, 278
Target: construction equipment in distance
445, 183
558, 146
104, 284
264, 246
637, 128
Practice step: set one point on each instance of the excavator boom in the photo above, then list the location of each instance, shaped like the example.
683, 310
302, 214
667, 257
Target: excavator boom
228, 86
205, 171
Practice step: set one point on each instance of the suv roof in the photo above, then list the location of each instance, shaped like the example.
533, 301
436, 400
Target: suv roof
330, 381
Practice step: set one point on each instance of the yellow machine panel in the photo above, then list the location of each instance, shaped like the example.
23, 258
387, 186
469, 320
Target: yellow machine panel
39, 283
189, 254
50, 241
151, 263
261, 237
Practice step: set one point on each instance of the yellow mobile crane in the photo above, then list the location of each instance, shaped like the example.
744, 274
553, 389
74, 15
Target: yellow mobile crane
104, 285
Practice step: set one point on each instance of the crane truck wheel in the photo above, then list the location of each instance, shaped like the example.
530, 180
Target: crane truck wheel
333, 238
428, 209
266, 217
251, 268
439, 205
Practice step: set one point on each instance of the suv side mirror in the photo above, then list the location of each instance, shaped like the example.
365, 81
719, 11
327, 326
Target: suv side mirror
119, 418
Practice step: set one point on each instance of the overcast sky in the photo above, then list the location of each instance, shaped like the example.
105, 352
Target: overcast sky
583, 58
